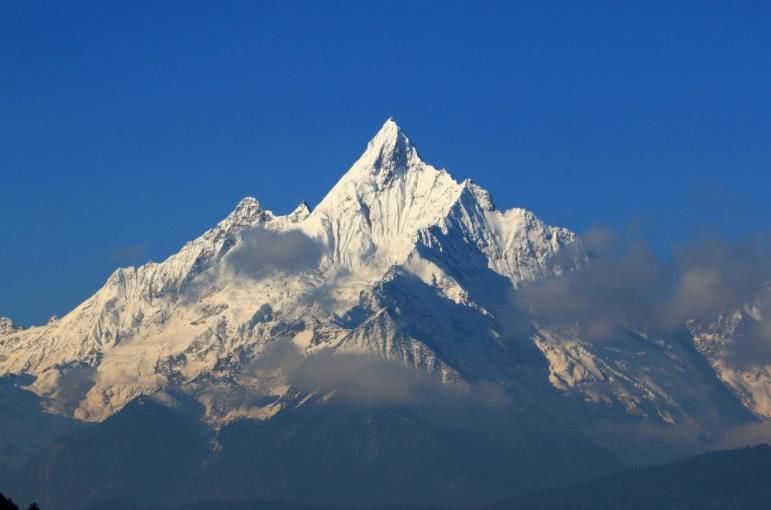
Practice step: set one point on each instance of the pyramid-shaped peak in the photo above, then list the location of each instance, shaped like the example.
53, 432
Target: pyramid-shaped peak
247, 206
390, 135
7, 326
300, 212
390, 151
247, 212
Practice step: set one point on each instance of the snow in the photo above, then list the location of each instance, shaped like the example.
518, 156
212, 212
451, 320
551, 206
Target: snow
6, 326
415, 268
751, 382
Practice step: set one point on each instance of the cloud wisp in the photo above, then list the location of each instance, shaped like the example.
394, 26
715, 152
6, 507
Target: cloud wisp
263, 252
131, 254
624, 282
369, 380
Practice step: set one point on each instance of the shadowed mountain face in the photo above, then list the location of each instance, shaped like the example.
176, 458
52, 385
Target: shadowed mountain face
24, 428
403, 341
330, 454
723, 480
144, 453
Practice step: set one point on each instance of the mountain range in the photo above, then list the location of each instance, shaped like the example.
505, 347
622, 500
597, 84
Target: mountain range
360, 347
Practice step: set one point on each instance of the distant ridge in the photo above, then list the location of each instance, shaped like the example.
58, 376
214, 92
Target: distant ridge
730, 479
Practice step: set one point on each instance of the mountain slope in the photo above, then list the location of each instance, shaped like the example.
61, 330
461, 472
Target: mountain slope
189, 320
720, 480
154, 455
399, 263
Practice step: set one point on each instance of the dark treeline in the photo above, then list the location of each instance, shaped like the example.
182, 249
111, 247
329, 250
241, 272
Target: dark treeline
8, 504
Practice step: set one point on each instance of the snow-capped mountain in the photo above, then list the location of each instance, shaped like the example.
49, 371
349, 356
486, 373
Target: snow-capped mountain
731, 346
400, 263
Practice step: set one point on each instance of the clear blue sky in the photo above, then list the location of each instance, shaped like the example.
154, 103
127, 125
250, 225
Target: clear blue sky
128, 128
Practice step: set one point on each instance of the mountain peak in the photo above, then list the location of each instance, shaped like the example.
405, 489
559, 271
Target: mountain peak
395, 249
300, 212
248, 207
389, 152
6, 326
389, 130
248, 202
247, 213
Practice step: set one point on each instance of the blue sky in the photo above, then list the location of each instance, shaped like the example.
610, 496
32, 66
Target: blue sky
128, 128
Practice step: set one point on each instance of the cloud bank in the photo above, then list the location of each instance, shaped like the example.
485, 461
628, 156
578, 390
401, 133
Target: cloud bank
262, 252
625, 283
